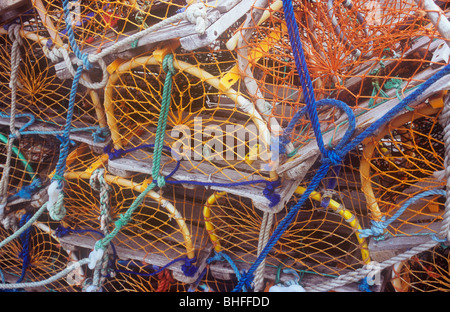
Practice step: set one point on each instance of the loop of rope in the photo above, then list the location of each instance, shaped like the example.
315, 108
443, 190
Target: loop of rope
378, 227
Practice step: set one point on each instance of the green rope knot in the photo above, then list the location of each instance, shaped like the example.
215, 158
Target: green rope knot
58, 211
160, 181
167, 64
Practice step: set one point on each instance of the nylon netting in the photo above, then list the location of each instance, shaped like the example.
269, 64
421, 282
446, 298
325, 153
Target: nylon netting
426, 272
180, 156
41, 92
404, 160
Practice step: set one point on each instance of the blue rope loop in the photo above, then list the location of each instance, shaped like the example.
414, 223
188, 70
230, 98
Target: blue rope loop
26, 125
331, 154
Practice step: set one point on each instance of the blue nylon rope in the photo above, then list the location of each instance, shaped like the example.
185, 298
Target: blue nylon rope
25, 238
64, 146
330, 157
268, 192
71, 35
378, 227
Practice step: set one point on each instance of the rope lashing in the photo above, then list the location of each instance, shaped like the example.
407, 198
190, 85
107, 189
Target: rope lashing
378, 227
221, 256
26, 125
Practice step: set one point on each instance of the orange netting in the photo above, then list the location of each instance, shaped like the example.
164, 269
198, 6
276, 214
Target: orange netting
230, 100
405, 159
425, 272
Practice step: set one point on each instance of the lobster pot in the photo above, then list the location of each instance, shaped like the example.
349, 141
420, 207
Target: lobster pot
360, 52
403, 161
165, 227
132, 277
424, 272
99, 24
41, 94
207, 129
33, 158
321, 238
46, 258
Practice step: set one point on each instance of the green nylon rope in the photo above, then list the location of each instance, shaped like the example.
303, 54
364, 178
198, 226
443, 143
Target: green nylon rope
156, 166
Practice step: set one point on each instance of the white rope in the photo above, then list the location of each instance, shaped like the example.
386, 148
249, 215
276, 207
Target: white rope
368, 269
14, 35
264, 233
98, 183
63, 273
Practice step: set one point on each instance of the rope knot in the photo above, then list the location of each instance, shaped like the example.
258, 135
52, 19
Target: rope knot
61, 231
167, 64
196, 14
189, 269
15, 135
333, 157
160, 181
269, 192
376, 229
113, 153
14, 33
55, 204
100, 134
27, 191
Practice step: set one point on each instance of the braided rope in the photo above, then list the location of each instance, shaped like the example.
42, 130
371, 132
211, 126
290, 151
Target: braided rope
98, 183
264, 235
14, 35
158, 180
50, 280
